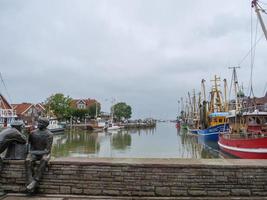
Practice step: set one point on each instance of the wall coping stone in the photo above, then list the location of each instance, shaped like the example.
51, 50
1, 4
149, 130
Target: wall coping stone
156, 162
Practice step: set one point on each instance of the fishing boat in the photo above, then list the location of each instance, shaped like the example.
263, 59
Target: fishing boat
216, 114
178, 124
217, 125
247, 136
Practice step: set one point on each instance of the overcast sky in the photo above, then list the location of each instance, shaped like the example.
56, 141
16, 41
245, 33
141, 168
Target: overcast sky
147, 53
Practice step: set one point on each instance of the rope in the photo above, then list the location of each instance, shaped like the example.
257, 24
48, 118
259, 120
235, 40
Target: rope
253, 53
248, 53
2, 80
265, 89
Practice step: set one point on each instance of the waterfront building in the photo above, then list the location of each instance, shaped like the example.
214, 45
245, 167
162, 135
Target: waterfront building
27, 112
7, 113
83, 103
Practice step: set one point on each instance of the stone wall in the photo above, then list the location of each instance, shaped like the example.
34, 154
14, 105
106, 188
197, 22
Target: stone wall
144, 177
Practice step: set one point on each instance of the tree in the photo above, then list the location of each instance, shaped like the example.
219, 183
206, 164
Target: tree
122, 110
92, 109
59, 105
79, 113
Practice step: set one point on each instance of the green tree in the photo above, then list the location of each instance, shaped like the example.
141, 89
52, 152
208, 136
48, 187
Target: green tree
59, 105
79, 113
92, 109
122, 110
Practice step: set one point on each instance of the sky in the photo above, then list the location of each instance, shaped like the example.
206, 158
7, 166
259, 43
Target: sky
147, 53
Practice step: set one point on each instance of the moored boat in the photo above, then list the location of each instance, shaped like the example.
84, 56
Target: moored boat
249, 139
217, 125
54, 126
214, 116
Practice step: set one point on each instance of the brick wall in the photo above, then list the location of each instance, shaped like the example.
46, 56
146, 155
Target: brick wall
144, 177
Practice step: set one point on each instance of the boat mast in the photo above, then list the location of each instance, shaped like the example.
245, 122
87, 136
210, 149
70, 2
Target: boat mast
225, 95
236, 87
203, 89
215, 100
255, 4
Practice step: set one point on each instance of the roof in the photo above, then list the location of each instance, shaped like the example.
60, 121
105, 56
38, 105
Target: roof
88, 102
21, 108
219, 114
4, 103
40, 107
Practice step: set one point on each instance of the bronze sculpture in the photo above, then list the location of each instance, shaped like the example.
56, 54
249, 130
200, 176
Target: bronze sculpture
40, 143
13, 141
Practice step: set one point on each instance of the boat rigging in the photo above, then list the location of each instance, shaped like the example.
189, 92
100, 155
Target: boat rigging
258, 9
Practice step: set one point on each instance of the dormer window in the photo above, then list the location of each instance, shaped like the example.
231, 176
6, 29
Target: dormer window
81, 106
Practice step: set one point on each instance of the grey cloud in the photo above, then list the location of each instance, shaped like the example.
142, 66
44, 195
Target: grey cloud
146, 53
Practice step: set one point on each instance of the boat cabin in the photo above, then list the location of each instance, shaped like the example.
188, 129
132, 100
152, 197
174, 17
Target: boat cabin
255, 122
217, 118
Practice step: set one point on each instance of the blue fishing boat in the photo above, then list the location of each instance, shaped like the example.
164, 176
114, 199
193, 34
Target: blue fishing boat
217, 125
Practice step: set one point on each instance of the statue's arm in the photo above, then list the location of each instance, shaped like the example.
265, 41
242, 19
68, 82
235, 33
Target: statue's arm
49, 143
29, 143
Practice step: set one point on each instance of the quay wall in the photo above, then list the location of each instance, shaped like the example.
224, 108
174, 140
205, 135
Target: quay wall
144, 177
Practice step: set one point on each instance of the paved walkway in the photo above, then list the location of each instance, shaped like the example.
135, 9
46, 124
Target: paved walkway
77, 197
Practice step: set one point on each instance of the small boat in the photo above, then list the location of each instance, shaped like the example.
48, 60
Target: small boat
109, 125
54, 126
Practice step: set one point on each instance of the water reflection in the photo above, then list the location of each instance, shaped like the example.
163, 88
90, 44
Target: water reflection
121, 140
164, 141
75, 142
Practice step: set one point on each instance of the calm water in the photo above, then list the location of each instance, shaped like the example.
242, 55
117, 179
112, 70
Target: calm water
164, 141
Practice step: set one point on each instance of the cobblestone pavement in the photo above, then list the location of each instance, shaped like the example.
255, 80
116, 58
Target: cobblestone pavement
77, 197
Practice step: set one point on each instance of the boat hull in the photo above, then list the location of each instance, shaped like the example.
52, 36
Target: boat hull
249, 148
194, 131
57, 130
212, 133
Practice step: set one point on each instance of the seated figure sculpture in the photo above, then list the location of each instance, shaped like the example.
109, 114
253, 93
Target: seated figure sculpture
40, 143
13, 141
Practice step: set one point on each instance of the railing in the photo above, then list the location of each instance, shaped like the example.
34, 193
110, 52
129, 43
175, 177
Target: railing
7, 113
260, 108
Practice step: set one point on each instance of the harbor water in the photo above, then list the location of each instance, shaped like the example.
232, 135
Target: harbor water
163, 141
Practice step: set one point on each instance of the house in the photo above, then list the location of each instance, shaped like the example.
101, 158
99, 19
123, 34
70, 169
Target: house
40, 109
260, 102
83, 103
7, 114
27, 112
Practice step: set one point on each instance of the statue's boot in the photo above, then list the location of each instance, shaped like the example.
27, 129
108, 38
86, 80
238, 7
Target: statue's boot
31, 187
1, 164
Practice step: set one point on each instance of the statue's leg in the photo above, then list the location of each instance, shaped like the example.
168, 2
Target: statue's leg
30, 163
29, 166
43, 163
1, 164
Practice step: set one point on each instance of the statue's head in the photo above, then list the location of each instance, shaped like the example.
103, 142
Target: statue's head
43, 122
18, 124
